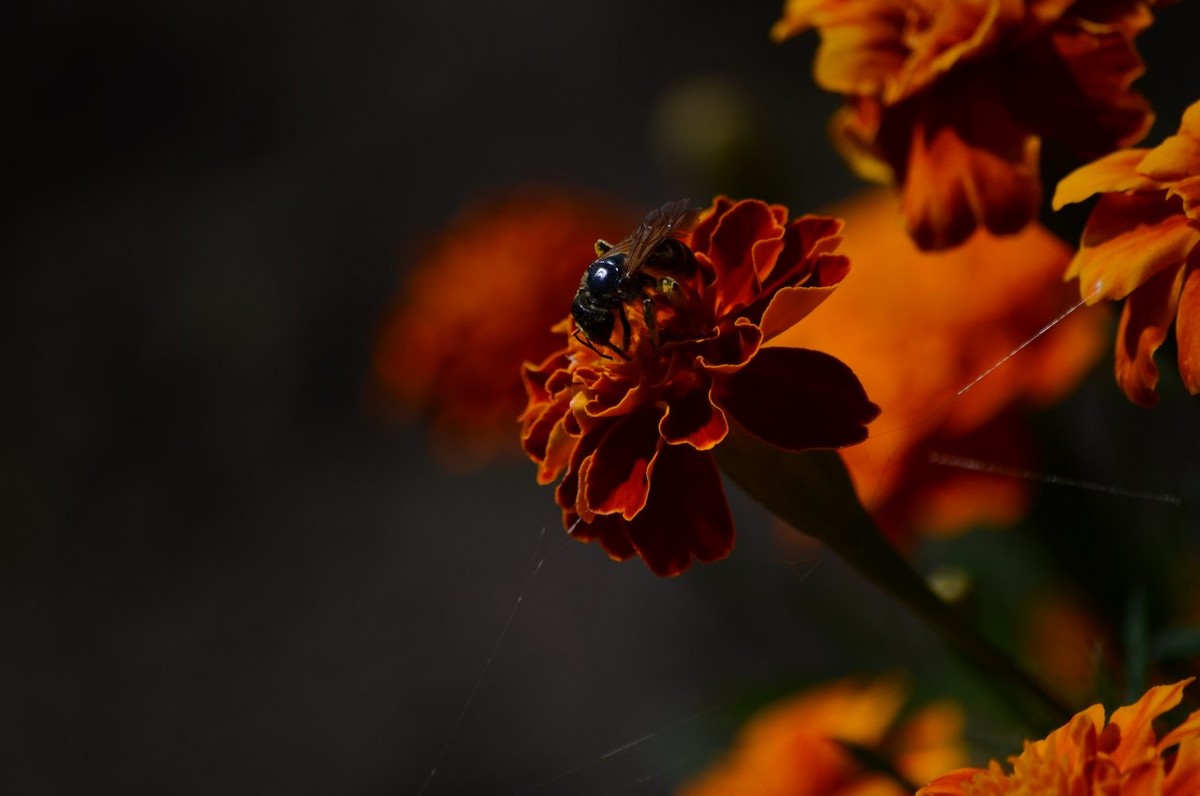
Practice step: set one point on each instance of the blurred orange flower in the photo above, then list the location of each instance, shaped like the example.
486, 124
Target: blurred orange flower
479, 303
917, 327
1088, 757
1066, 645
951, 100
1142, 243
799, 747
631, 437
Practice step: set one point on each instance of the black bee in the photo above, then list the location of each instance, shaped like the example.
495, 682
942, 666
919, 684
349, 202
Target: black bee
634, 268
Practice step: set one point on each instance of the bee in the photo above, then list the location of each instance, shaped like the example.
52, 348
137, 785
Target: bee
637, 267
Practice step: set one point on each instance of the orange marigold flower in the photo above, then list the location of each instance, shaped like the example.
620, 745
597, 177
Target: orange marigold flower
481, 301
1087, 757
1142, 243
951, 99
1066, 644
799, 747
917, 327
631, 437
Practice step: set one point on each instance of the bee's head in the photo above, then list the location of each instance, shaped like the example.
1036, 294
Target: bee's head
604, 277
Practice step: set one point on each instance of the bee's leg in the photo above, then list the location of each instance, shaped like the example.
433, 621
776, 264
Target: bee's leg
602, 247
583, 339
626, 333
651, 321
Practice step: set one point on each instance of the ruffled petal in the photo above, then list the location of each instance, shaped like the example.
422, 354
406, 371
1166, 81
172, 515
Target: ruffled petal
858, 42
686, 516
1083, 71
1189, 124
730, 350
693, 418
1115, 172
853, 131
966, 161
797, 399
1184, 777
1190, 728
747, 222
1187, 327
1176, 158
804, 241
952, 784
560, 446
544, 436
1136, 722
1189, 192
1148, 313
701, 236
1128, 239
615, 478
607, 529
955, 32
791, 305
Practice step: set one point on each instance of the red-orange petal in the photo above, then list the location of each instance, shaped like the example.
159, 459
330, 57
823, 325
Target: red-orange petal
1187, 326
934, 200
692, 418
732, 348
804, 240
1081, 72
1128, 239
789, 306
953, 181
732, 253
614, 478
950, 784
798, 399
686, 516
560, 447
854, 131
1148, 313
702, 233
607, 529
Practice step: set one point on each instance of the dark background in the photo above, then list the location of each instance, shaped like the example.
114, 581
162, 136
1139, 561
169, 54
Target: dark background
220, 572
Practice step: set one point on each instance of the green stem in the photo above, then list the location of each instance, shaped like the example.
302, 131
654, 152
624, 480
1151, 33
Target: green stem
813, 492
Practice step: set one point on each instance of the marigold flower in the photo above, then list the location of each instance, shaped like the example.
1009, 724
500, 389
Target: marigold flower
1088, 756
798, 747
631, 437
480, 302
1066, 644
917, 327
951, 100
1142, 244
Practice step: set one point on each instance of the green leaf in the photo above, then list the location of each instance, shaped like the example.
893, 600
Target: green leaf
812, 491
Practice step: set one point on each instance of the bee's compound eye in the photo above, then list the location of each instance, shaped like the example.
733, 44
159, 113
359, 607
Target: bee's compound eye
604, 275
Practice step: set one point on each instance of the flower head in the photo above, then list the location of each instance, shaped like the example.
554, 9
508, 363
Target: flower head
1066, 643
479, 302
1088, 756
800, 747
630, 433
1142, 244
951, 99
917, 327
